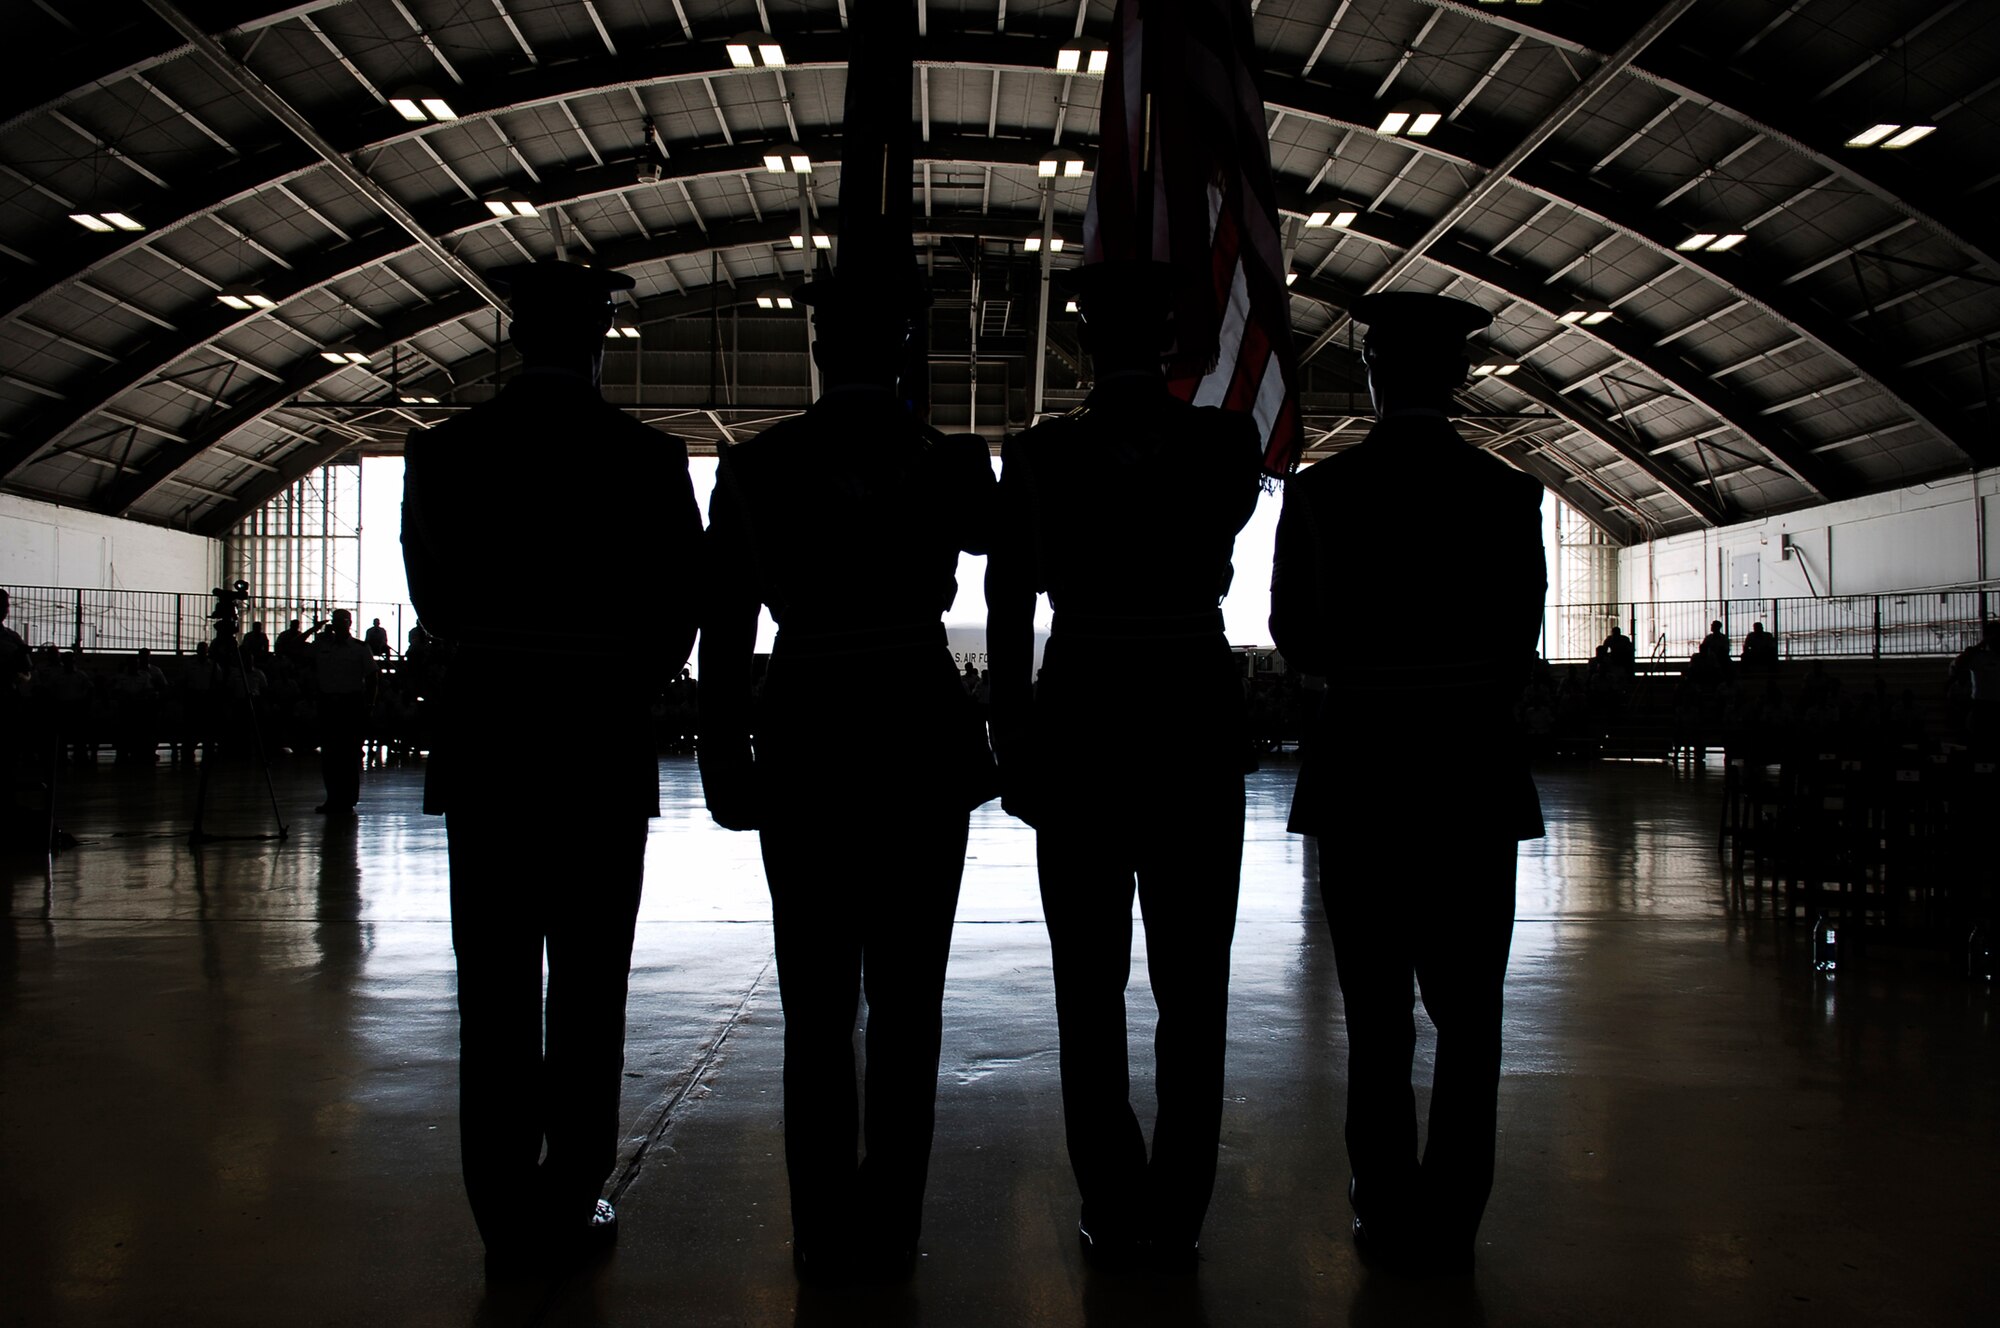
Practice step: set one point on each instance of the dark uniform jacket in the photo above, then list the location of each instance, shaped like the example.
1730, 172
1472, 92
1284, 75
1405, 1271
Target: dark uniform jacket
1412, 523
846, 522
548, 503
1125, 512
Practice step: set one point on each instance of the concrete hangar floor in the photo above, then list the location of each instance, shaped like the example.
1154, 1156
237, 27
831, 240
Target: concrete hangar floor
227, 1092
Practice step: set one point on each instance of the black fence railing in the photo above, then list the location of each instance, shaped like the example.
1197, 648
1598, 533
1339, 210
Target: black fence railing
163, 621
1907, 622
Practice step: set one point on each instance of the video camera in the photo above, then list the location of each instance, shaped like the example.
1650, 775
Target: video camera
228, 610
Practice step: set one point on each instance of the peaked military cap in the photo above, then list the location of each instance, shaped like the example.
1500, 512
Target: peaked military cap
1408, 318
1134, 287
878, 280
548, 287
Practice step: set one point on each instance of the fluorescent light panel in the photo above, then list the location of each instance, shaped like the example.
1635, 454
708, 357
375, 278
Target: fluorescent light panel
1911, 135
1068, 60
739, 55
774, 54
407, 108
1694, 242
1868, 138
1393, 122
1424, 123
90, 222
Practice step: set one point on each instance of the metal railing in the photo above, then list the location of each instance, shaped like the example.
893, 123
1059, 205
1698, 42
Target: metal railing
163, 621
1906, 622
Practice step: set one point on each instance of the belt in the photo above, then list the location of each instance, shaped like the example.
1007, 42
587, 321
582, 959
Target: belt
821, 643
1200, 624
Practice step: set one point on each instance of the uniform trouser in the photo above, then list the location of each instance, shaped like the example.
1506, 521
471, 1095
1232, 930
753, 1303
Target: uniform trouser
342, 718
1187, 879
526, 1078
859, 906
1448, 925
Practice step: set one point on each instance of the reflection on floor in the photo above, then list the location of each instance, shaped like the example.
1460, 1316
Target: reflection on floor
227, 1086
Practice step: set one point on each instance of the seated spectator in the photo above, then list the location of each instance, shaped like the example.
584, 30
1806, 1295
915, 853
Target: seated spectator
1715, 646
1760, 648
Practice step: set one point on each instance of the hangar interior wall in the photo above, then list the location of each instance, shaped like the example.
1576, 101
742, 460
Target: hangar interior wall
45, 545
1928, 535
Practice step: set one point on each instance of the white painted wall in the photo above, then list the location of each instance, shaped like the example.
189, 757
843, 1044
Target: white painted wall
45, 545
1925, 535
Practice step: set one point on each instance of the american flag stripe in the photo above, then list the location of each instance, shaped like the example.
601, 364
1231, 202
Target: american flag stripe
1213, 207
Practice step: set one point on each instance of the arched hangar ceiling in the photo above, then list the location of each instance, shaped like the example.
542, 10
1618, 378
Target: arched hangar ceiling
1841, 347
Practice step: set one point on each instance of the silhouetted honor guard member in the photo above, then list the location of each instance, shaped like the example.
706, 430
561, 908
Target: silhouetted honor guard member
1415, 780
847, 522
547, 496
1125, 512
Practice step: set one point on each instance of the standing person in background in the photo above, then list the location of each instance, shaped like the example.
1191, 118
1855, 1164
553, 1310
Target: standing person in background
1425, 769
377, 640
547, 857
1140, 576
346, 674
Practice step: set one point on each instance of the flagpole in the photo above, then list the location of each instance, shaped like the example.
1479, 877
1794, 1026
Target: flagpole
1042, 322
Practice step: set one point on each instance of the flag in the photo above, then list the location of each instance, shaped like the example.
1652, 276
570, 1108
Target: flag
1184, 177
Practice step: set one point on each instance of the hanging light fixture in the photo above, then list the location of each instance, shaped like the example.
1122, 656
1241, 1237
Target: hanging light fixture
1586, 313
1410, 119
776, 297
1714, 242
793, 160
1063, 162
1890, 136
420, 105
106, 222
1340, 216
747, 50
510, 203
1085, 55
244, 296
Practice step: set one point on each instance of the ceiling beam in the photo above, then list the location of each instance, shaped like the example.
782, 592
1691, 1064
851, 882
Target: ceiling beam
308, 370
1705, 505
456, 217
